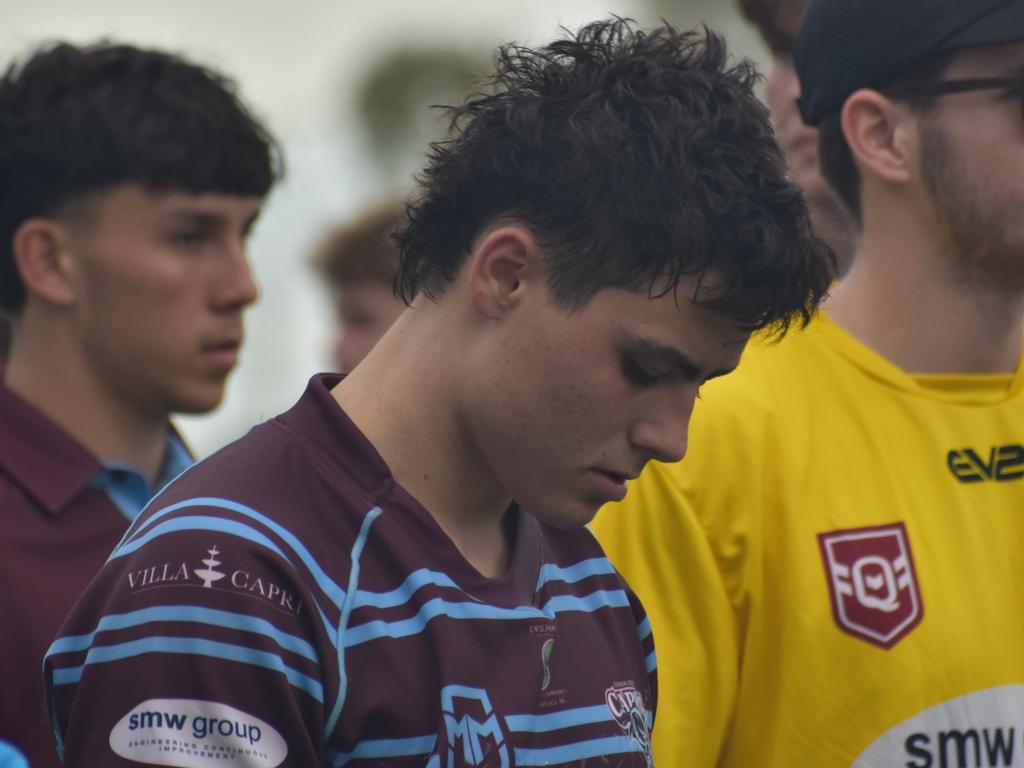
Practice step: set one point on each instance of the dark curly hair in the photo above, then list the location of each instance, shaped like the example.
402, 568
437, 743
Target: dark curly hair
77, 120
636, 158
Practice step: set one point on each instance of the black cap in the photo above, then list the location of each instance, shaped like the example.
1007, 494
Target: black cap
844, 45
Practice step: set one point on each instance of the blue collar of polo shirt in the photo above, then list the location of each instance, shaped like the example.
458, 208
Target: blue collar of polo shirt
129, 489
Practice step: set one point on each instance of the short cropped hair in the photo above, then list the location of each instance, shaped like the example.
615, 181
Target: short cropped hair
635, 158
362, 250
835, 157
778, 21
78, 120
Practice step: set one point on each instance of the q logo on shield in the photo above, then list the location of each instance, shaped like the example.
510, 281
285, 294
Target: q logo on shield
872, 582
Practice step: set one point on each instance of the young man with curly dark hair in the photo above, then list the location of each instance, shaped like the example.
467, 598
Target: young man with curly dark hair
395, 571
128, 182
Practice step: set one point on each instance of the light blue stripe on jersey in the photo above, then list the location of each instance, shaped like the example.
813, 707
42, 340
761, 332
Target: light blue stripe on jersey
604, 598
401, 595
191, 614
612, 745
557, 721
595, 566
434, 762
378, 749
326, 584
652, 662
644, 629
424, 577
431, 609
200, 523
346, 611
195, 646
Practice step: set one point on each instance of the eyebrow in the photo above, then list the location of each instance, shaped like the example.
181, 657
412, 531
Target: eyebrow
209, 220
676, 358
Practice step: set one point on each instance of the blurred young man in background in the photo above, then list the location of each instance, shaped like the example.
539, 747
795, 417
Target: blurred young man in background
129, 180
778, 21
358, 261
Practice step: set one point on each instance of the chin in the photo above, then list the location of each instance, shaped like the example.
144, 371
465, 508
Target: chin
198, 401
571, 515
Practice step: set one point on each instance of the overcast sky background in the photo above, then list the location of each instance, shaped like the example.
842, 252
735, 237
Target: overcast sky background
299, 64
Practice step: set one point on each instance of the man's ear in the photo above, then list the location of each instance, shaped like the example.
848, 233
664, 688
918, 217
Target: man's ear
881, 135
502, 264
44, 261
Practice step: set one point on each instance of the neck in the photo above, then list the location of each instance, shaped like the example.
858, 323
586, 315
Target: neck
403, 397
903, 299
50, 372
833, 225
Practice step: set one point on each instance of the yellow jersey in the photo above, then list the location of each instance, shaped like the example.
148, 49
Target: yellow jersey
835, 573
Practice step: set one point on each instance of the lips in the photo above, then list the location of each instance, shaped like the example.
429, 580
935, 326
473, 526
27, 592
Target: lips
223, 354
611, 485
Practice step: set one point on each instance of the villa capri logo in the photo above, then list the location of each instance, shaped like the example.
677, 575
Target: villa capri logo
208, 574
217, 573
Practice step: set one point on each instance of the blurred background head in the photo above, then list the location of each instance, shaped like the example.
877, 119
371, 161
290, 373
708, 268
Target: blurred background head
357, 261
778, 22
129, 180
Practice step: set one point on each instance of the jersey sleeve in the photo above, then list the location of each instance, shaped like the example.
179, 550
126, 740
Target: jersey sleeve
680, 540
200, 642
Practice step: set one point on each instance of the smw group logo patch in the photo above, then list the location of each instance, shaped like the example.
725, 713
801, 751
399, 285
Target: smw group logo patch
979, 730
191, 733
872, 583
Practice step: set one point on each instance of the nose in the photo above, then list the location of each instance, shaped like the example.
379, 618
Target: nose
782, 75
237, 288
662, 433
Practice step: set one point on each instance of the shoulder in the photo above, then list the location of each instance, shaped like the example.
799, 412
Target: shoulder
770, 371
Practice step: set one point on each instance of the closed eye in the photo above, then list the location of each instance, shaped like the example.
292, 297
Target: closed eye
188, 239
637, 374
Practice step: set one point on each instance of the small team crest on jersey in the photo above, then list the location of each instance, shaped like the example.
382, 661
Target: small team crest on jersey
626, 704
545, 659
872, 582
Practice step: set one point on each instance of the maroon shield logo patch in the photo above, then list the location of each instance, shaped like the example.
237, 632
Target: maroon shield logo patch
872, 582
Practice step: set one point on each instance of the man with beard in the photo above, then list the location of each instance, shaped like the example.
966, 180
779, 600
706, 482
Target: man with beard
778, 21
833, 573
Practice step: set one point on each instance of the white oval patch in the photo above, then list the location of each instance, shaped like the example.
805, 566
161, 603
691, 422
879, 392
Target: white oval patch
980, 730
191, 733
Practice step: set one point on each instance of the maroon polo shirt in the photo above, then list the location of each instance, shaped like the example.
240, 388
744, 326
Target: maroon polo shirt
56, 530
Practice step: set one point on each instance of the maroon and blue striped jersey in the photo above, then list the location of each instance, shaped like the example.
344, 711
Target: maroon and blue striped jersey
287, 603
